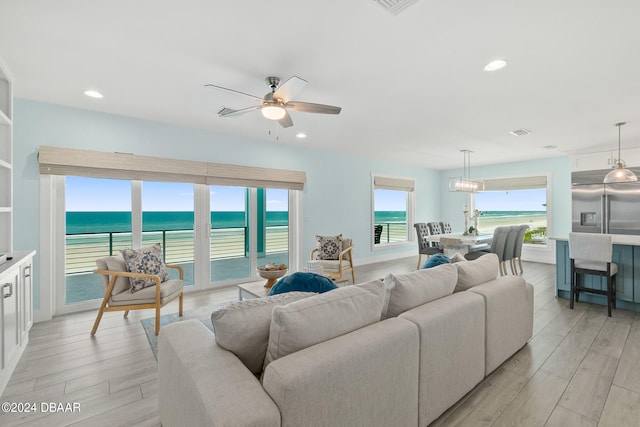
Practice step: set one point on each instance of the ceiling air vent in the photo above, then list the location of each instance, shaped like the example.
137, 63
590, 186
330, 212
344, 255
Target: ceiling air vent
520, 132
395, 6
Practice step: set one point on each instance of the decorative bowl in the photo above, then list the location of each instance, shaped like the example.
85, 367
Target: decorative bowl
271, 275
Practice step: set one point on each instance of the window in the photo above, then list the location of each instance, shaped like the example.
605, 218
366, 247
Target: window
512, 202
393, 201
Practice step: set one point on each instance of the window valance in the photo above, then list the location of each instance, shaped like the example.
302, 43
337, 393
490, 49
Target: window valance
97, 164
522, 183
389, 183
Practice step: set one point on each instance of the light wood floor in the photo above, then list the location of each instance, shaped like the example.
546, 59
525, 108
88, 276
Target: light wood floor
579, 369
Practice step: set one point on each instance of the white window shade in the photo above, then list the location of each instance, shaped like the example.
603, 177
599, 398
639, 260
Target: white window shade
399, 184
97, 164
523, 183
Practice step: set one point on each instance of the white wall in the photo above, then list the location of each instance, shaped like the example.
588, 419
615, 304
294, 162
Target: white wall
336, 198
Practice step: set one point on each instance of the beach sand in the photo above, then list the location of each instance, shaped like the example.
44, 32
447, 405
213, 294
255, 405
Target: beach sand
488, 224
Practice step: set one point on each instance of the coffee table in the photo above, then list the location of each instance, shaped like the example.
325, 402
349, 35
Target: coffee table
252, 290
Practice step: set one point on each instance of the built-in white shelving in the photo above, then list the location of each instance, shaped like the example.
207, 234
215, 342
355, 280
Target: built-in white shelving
6, 160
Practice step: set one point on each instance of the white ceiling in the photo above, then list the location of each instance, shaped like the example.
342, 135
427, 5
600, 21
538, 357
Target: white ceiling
411, 86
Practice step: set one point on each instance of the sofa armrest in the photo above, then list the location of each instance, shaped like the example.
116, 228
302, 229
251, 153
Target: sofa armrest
202, 384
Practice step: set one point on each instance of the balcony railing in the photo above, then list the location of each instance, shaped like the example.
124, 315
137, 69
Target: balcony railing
393, 232
82, 250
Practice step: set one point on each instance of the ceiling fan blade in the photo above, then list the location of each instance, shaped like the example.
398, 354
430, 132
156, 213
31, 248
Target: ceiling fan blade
236, 91
289, 89
226, 112
308, 107
286, 121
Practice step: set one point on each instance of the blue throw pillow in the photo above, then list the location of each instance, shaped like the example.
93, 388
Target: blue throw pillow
435, 260
303, 282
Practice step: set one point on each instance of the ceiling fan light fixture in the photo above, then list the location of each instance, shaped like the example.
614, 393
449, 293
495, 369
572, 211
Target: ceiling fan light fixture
273, 111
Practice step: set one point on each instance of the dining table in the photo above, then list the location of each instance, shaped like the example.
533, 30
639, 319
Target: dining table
452, 243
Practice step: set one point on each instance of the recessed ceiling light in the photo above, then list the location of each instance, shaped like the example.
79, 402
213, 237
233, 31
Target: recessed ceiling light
93, 93
301, 135
495, 65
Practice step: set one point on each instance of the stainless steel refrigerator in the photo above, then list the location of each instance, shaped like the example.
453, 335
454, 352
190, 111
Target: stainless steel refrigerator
605, 208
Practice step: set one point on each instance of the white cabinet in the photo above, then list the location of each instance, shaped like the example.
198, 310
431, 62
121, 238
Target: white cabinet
593, 161
16, 311
6, 160
9, 308
605, 159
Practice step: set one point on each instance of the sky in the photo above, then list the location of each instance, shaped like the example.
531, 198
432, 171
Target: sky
96, 195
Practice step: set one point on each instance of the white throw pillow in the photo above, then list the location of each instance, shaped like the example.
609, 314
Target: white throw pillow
322, 317
243, 327
409, 290
476, 272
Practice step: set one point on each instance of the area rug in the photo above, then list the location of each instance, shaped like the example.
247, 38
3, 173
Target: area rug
149, 324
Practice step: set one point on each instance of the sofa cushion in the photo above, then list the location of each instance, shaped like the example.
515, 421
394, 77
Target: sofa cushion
304, 282
409, 290
147, 261
242, 327
168, 289
457, 257
329, 247
322, 317
476, 272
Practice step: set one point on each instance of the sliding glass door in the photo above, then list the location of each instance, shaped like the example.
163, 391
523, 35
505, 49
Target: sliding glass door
218, 234
167, 218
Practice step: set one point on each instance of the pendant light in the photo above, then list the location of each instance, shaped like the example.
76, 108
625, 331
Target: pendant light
465, 183
620, 173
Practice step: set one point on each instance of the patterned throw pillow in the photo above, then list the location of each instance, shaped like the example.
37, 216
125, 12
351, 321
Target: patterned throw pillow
329, 247
147, 261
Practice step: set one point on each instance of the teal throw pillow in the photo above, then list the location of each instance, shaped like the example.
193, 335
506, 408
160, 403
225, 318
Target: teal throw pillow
303, 282
435, 260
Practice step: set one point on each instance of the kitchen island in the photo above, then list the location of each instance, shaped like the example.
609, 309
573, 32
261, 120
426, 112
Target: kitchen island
626, 253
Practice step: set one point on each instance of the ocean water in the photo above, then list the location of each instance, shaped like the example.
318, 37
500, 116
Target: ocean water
102, 222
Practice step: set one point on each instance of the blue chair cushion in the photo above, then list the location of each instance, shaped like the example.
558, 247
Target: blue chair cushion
303, 282
435, 260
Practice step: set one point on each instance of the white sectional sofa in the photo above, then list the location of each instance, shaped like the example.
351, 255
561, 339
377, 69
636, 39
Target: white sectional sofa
397, 353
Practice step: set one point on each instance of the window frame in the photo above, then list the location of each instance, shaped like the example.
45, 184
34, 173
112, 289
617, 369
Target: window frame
395, 183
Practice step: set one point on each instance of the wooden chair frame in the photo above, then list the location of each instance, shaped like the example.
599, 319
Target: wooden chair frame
341, 270
113, 275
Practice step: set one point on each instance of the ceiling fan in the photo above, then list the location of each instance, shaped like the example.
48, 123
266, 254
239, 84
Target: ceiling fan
275, 104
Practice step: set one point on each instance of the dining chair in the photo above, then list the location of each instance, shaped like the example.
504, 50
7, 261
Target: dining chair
517, 251
445, 227
434, 228
510, 247
497, 247
424, 247
592, 254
